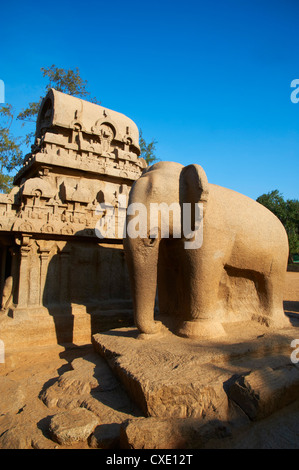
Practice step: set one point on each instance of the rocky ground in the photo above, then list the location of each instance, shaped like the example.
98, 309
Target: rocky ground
61, 399
52, 398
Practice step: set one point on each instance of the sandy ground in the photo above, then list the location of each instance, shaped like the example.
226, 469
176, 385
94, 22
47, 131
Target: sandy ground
36, 369
292, 287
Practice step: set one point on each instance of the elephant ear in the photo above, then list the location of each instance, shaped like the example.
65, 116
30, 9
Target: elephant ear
194, 186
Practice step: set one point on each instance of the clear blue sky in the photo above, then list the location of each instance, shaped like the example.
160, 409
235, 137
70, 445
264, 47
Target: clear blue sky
210, 81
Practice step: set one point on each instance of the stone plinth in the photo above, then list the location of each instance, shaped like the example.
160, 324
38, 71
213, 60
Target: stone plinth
169, 376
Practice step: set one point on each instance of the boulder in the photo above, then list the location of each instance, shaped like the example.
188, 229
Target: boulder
264, 391
72, 426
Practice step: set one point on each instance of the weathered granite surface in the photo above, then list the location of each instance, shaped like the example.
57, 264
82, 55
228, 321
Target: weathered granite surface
73, 186
174, 377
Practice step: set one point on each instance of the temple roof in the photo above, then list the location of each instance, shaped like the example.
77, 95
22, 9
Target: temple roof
66, 111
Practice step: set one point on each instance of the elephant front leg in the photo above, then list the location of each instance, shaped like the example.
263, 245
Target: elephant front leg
202, 320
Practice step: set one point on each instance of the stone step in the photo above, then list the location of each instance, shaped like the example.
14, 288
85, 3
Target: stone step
264, 391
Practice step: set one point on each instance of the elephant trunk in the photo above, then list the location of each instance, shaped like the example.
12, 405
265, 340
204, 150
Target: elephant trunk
142, 265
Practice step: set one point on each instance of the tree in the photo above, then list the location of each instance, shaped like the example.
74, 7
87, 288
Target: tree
11, 155
288, 213
66, 81
10, 149
147, 150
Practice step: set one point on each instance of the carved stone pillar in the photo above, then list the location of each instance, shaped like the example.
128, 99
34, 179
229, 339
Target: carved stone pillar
14, 270
34, 278
24, 243
64, 275
45, 247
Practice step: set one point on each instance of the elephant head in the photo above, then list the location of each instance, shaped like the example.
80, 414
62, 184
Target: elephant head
174, 186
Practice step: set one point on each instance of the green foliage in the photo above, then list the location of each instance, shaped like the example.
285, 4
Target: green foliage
287, 212
147, 150
10, 152
67, 81
30, 113
6, 183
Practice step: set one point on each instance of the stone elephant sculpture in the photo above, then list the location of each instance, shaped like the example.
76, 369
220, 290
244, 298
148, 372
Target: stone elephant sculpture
237, 274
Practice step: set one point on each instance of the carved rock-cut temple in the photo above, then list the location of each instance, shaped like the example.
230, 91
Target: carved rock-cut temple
59, 280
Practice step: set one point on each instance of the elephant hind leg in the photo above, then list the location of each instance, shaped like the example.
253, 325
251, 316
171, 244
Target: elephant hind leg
271, 298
